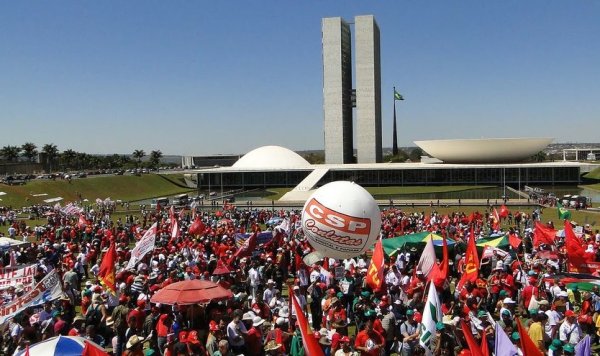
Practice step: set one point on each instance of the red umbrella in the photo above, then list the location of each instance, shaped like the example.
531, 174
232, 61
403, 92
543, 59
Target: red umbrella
191, 292
221, 269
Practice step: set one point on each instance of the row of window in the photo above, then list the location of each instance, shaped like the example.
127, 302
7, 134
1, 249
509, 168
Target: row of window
474, 176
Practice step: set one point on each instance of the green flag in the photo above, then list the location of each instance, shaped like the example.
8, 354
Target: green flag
563, 213
398, 96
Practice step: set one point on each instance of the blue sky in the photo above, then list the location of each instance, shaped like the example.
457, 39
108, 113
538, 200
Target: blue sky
204, 77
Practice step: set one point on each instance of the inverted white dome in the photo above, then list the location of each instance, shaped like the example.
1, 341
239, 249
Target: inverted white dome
491, 150
271, 157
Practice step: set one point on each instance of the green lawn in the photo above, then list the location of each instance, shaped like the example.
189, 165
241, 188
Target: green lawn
279, 192
126, 188
595, 174
423, 189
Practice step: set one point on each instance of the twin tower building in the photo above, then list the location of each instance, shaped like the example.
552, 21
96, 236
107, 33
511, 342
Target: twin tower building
339, 97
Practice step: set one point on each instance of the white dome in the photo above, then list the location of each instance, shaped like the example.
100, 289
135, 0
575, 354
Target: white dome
271, 157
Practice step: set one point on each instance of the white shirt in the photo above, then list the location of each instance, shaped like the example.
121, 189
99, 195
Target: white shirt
254, 277
569, 333
553, 319
232, 333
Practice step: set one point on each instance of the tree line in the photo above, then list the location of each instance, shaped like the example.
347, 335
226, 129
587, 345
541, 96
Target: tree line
70, 159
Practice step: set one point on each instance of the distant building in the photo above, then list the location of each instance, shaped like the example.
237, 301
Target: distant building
368, 90
208, 161
337, 90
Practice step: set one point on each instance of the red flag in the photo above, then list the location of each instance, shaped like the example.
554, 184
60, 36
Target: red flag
197, 227
246, 249
311, 347
107, 269
471, 262
439, 274
174, 223
496, 220
473, 347
504, 211
514, 240
375, 273
543, 234
528, 347
485, 348
471, 218
575, 251
90, 350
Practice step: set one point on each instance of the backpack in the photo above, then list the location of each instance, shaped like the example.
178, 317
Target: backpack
93, 316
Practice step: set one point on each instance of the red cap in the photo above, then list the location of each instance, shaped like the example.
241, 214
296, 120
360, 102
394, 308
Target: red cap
123, 298
317, 335
183, 336
213, 326
141, 303
98, 289
193, 337
569, 313
344, 339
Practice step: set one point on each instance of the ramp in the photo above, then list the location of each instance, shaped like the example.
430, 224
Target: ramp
302, 190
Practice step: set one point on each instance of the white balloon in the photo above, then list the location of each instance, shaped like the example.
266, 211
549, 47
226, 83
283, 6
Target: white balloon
341, 220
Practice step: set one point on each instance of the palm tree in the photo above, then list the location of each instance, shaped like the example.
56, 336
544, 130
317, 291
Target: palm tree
138, 154
10, 153
155, 157
51, 152
68, 158
29, 151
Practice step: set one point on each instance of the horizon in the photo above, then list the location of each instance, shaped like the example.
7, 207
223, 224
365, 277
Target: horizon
199, 78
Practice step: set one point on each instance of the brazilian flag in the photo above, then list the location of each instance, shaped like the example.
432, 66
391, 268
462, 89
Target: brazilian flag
563, 213
398, 96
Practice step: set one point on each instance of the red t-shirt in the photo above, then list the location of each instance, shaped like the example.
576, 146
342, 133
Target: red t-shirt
369, 339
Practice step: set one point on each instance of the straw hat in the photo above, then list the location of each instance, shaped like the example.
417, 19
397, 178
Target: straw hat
272, 346
134, 341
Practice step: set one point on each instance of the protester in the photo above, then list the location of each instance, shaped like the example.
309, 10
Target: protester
525, 280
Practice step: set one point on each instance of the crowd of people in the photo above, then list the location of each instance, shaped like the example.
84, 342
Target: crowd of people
346, 316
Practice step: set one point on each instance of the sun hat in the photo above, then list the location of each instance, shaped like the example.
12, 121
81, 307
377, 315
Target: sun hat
257, 321
133, 341
284, 312
272, 346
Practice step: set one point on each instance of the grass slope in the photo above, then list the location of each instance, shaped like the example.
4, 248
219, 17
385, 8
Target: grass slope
279, 192
126, 188
595, 174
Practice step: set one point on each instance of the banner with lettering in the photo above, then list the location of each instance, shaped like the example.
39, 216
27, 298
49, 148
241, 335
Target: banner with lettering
11, 276
145, 245
46, 290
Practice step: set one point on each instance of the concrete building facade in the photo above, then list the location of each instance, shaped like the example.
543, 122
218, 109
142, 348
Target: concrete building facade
337, 90
368, 90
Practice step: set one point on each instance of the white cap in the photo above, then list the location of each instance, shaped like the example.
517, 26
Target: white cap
508, 301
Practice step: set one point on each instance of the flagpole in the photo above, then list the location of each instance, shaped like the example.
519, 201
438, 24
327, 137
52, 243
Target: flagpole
395, 133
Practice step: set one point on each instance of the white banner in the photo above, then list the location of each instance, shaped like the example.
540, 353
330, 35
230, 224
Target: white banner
145, 245
432, 314
47, 290
13, 275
